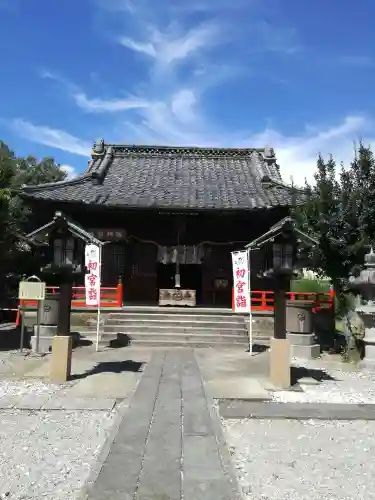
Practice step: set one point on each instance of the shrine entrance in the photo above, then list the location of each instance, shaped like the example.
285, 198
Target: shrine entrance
179, 272
190, 278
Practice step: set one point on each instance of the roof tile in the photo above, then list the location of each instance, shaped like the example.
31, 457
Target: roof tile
171, 178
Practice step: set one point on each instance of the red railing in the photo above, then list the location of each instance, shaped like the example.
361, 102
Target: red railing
264, 300
109, 296
261, 300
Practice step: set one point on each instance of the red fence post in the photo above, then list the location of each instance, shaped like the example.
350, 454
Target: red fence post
263, 301
119, 293
331, 299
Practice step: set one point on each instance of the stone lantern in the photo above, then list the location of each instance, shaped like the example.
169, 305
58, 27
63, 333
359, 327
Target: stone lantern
280, 244
365, 285
65, 256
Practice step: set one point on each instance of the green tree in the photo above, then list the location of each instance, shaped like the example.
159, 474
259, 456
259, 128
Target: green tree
30, 171
7, 170
15, 215
340, 214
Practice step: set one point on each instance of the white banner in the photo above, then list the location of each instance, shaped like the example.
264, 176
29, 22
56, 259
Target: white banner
241, 282
92, 279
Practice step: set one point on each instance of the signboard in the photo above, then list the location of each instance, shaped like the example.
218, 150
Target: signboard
92, 279
241, 281
31, 290
109, 234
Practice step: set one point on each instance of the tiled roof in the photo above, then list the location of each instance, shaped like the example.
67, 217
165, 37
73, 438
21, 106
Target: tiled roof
174, 178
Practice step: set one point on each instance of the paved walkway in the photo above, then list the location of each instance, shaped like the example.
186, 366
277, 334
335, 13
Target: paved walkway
169, 445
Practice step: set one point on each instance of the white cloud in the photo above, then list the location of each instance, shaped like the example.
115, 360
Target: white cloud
144, 48
51, 137
167, 108
172, 45
183, 106
71, 171
297, 155
175, 121
110, 105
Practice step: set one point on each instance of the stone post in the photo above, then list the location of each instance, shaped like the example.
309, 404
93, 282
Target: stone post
300, 328
365, 284
280, 354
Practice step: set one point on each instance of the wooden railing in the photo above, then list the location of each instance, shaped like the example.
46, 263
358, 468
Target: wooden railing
261, 300
264, 300
109, 296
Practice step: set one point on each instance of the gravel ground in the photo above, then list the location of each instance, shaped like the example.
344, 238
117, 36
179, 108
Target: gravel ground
27, 387
346, 387
303, 460
49, 454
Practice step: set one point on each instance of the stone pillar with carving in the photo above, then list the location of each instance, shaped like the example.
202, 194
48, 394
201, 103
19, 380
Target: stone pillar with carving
300, 329
365, 284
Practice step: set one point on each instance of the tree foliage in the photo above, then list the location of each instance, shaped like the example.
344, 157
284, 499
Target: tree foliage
340, 214
15, 216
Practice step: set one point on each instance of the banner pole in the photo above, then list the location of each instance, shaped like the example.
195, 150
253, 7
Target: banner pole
100, 283
250, 311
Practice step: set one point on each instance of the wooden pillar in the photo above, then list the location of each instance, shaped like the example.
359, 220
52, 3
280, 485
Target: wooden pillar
280, 295
65, 305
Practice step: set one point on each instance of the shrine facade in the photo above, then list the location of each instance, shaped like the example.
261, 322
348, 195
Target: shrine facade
169, 216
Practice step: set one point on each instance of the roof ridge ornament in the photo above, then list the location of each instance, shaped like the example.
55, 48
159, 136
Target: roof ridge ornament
98, 148
268, 152
268, 155
370, 258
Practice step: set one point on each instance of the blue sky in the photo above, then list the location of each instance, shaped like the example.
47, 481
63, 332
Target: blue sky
295, 75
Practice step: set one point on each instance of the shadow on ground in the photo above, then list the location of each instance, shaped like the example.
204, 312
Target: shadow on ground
111, 367
10, 338
259, 348
299, 372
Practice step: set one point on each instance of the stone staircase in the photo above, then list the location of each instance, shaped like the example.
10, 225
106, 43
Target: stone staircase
174, 326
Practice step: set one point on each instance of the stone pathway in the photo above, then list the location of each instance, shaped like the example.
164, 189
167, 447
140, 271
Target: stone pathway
169, 445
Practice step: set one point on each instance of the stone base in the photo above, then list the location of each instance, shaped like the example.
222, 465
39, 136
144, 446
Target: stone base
61, 360
46, 335
305, 351
303, 346
301, 338
369, 352
280, 357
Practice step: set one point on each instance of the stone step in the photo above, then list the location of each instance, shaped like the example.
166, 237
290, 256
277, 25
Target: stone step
158, 342
212, 337
161, 328
176, 310
261, 336
170, 321
90, 330
188, 316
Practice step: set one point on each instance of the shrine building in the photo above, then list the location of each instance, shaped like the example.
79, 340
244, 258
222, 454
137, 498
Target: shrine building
170, 216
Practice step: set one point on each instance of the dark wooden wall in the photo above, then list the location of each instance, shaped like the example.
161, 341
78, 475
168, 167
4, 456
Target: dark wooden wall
135, 260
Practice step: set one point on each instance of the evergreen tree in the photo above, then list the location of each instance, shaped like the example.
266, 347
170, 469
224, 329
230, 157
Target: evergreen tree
340, 213
15, 215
